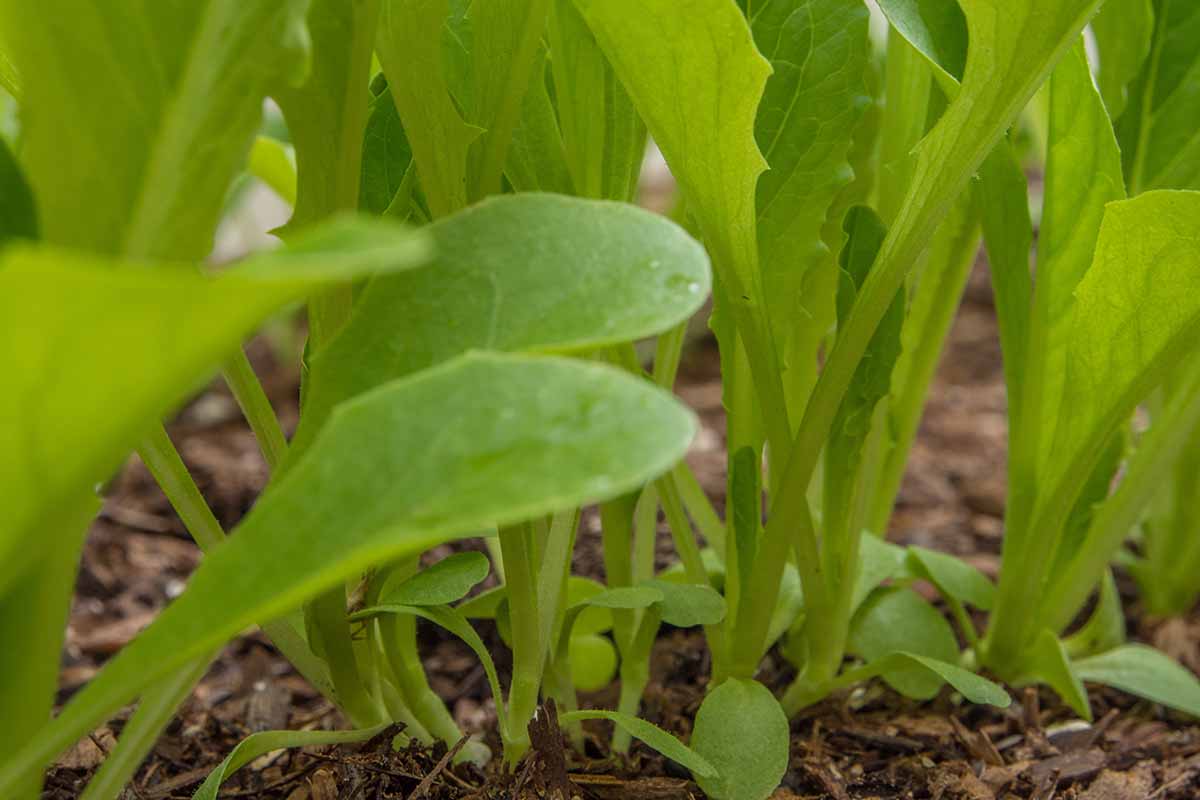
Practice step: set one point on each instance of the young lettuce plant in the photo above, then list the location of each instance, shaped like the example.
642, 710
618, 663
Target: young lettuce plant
708, 101
1084, 344
1156, 87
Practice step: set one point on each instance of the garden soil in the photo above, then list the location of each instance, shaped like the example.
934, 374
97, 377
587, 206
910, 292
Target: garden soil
865, 743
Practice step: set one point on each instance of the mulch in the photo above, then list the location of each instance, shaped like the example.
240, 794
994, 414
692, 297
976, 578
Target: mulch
867, 742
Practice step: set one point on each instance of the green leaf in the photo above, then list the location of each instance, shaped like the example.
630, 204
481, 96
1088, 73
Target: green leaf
1083, 175
386, 154
974, 688
937, 29
1046, 661
506, 35
274, 163
440, 584
649, 733
1119, 344
595, 603
742, 731
484, 604
602, 134
699, 97
409, 46
1123, 31
1160, 143
18, 214
898, 619
685, 605
132, 133
417, 462
260, 744
453, 621
327, 113
1145, 672
593, 661
871, 382
812, 103
66, 314
1008, 235
537, 160
1105, 628
952, 577
497, 284
878, 561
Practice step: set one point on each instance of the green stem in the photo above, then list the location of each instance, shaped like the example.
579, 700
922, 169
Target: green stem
635, 674
162, 459
330, 634
528, 655
698, 506
248, 392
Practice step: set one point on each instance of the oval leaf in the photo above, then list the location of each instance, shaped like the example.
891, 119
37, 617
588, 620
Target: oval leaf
487, 439
527, 273
593, 662
952, 576
1146, 672
442, 583
900, 620
742, 731
685, 605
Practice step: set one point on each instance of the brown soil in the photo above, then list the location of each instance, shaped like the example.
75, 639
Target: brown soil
866, 743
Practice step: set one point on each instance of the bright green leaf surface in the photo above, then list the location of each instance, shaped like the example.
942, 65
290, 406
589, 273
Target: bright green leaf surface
899, 619
604, 138
67, 314
878, 561
685, 605
1136, 312
1083, 174
259, 744
504, 56
537, 160
742, 731
1046, 661
593, 661
971, 686
137, 115
326, 115
442, 583
530, 273
954, 577
1146, 672
410, 48
695, 75
813, 101
417, 462
651, 734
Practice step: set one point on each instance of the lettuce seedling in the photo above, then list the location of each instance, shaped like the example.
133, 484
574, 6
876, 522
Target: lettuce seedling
713, 99
1083, 346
